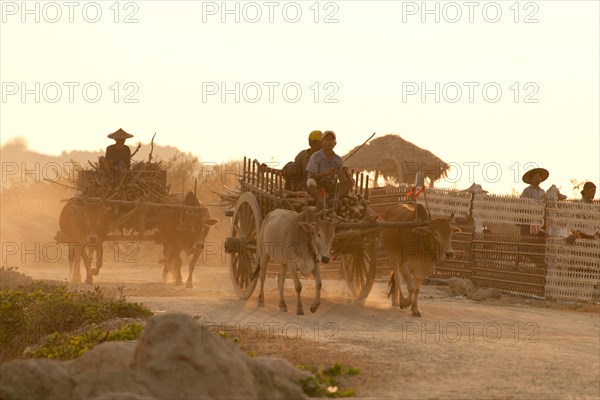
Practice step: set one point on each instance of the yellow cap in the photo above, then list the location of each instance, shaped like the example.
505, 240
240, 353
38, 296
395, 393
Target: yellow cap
315, 135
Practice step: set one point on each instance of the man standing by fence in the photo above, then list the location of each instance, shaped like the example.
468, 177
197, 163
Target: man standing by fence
534, 177
587, 196
588, 192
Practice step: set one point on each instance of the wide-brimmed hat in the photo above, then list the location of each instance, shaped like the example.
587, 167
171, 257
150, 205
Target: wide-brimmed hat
120, 134
527, 176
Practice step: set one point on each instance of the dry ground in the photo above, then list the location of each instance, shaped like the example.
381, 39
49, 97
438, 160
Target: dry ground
508, 348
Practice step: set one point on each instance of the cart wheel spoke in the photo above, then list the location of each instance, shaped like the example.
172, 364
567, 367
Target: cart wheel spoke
240, 275
247, 220
359, 269
237, 231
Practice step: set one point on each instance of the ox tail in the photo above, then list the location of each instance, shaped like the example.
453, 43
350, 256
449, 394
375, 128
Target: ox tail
391, 286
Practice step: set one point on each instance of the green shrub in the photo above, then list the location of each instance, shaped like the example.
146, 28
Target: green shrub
38, 310
62, 346
12, 316
324, 383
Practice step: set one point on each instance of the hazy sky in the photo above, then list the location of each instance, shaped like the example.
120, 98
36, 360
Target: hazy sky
486, 86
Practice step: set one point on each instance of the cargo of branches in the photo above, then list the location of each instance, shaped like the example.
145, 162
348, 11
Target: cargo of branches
132, 199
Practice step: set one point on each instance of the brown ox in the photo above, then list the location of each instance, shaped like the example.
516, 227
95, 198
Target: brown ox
84, 225
297, 241
183, 231
413, 251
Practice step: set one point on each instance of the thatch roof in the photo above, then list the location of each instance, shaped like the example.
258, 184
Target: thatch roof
397, 160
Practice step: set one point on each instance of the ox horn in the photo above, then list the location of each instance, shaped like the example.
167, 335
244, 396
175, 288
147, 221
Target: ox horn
322, 212
309, 212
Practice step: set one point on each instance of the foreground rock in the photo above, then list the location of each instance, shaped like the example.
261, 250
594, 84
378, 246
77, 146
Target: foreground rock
173, 359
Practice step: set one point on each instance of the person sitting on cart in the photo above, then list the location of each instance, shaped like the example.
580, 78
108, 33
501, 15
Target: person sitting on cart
295, 171
327, 174
118, 155
315, 139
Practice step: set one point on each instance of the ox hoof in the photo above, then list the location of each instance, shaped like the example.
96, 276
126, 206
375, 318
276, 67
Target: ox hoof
314, 308
189, 285
416, 313
95, 271
283, 308
89, 281
261, 304
299, 311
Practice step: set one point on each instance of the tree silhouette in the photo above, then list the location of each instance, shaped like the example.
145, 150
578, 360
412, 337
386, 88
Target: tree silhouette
181, 169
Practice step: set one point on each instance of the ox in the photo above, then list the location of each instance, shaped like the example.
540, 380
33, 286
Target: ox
288, 239
413, 251
183, 231
84, 225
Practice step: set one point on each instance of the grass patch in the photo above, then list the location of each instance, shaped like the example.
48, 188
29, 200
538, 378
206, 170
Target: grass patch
39, 309
325, 382
62, 346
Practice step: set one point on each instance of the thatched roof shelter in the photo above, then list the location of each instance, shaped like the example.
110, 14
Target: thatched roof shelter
397, 160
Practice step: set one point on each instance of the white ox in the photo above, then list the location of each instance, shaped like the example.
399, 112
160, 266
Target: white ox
297, 242
412, 252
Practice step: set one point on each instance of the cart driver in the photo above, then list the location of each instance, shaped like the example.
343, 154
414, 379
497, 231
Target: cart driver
118, 156
325, 169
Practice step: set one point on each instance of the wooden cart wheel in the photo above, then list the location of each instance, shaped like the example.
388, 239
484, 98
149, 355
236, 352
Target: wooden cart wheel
245, 225
359, 268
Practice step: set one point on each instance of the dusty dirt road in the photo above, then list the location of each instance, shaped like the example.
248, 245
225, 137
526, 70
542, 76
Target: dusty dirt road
508, 348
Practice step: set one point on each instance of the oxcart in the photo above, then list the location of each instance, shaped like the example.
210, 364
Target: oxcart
356, 243
135, 197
